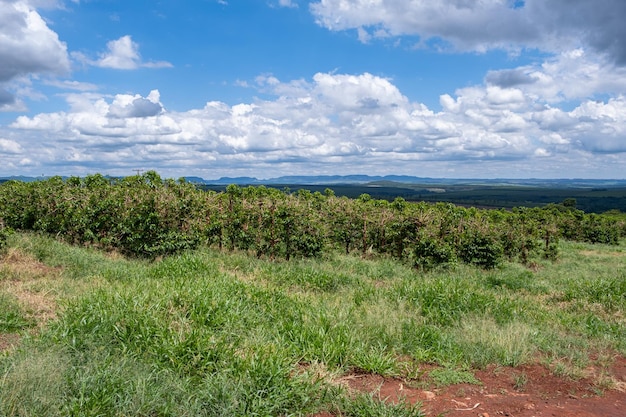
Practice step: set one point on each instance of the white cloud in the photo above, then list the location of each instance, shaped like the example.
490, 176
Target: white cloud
340, 122
287, 3
27, 47
122, 54
10, 146
351, 92
125, 106
486, 24
71, 85
570, 75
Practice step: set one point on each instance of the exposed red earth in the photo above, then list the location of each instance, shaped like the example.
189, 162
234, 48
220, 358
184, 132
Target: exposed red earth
524, 391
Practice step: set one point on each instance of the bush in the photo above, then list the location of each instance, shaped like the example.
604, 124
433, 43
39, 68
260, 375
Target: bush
480, 249
429, 253
4, 234
599, 230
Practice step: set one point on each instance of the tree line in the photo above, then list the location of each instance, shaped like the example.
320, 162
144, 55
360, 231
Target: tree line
147, 216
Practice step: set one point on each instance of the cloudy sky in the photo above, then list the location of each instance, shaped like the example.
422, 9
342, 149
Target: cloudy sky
263, 88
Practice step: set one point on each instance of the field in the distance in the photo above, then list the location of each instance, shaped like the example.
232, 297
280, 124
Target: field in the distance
214, 333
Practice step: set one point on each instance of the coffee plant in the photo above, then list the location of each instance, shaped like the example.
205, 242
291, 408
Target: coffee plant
4, 234
147, 216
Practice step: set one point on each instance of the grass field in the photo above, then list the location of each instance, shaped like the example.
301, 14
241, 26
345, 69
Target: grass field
208, 333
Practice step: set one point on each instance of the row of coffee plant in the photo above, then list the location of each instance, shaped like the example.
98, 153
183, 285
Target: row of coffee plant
147, 216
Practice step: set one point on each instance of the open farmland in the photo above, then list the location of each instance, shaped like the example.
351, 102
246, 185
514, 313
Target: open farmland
220, 329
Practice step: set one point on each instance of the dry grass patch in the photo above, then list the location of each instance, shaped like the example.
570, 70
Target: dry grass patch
32, 283
19, 266
8, 340
602, 254
39, 306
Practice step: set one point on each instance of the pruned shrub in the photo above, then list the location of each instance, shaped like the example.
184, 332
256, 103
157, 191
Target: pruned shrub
4, 235
480, 248
429, 253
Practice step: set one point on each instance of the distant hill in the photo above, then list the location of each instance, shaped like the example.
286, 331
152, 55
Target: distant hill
407, 179
389, 180
21, 178
591, 195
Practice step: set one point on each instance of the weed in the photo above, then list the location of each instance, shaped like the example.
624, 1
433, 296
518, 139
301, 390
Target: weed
375, 359
12, 317
519, 381
485, 342
33, 382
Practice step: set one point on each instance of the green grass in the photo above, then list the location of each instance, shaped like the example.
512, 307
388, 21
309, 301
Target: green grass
448, 376
210, 333
12, 316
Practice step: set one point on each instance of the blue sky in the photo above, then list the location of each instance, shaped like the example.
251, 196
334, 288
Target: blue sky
263, 88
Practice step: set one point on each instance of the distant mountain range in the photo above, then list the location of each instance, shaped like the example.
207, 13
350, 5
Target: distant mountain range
309, 180
406, 179
376, 180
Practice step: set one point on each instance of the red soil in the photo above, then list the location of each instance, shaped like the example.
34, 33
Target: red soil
525, 391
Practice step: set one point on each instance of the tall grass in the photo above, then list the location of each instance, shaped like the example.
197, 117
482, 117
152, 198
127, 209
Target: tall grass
12, 316
208, 333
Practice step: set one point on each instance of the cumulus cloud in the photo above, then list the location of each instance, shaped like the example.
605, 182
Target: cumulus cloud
136, 106
487, 24
341, 122
122, 54
27, 48
9, 146
510, 78
27, 45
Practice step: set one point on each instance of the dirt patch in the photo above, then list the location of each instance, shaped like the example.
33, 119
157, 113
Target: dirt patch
525, 391
25, 277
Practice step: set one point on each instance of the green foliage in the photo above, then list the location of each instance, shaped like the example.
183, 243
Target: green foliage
147, 216
480, 248
609, 292
597, 229
569, 203
513, 280
12, 318
429, 253
5, 232
365, 405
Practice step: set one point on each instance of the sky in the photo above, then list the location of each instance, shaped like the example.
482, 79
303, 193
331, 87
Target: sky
266, 88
